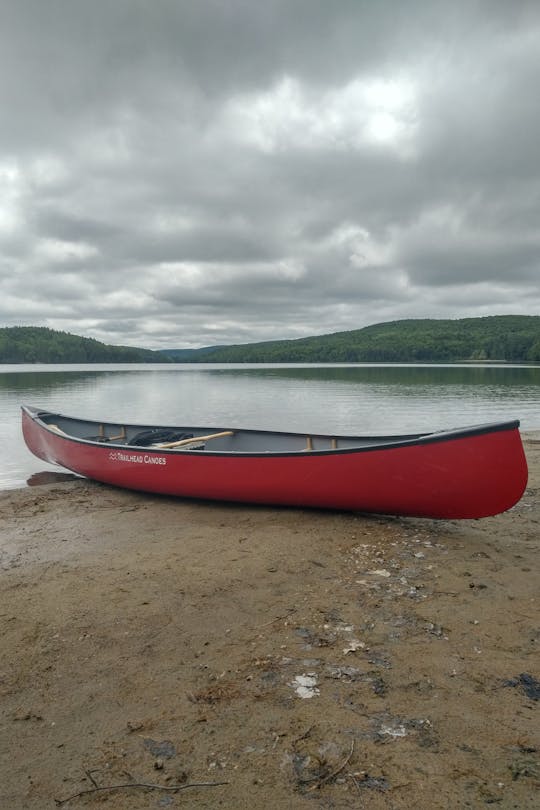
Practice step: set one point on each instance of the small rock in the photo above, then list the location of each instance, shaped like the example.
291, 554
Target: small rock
353, 646
305, 686
161, 750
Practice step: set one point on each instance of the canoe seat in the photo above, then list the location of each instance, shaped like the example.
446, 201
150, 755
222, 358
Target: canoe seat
102, 437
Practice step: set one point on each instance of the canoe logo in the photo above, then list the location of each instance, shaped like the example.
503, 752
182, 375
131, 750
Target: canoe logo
136, 458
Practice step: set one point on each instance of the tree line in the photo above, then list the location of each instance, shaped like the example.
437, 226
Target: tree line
37, 344
510, 338
507, 338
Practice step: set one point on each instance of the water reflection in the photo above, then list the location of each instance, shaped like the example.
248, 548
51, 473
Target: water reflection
397, 375
470, 374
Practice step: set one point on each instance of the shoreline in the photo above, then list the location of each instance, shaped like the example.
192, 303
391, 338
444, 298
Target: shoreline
303, 658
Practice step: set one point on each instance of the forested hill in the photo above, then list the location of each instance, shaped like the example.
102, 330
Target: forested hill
37, 344
513, 338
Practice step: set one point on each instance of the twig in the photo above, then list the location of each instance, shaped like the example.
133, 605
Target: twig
305, 735
332, 775
277, 619
354, 780
89, 775
172, 788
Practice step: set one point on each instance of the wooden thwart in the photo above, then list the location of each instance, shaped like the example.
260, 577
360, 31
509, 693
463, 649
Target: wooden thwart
309, 444
183, 442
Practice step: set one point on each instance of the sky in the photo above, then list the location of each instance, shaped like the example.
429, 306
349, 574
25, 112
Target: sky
180, 174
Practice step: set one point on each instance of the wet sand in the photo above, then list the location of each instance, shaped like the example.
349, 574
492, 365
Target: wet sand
258, 657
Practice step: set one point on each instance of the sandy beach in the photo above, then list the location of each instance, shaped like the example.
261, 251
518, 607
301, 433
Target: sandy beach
167, 653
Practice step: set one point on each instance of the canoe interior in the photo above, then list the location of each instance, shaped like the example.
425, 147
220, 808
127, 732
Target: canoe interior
244, 441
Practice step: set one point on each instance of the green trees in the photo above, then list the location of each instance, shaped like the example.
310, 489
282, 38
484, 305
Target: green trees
513, 338
36, 344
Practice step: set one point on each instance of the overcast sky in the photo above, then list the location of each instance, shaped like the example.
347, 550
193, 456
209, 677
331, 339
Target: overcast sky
179, 173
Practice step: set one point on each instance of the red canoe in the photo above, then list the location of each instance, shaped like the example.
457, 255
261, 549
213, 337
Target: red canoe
471, 472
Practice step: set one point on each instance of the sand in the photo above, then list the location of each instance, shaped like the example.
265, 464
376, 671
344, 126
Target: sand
265, 657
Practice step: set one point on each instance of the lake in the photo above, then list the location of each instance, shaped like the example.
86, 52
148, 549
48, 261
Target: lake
357, 399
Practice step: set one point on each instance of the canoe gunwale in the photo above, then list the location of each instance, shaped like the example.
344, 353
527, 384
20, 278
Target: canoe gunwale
376, 443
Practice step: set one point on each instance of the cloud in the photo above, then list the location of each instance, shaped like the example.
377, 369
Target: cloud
183, 174
292, 116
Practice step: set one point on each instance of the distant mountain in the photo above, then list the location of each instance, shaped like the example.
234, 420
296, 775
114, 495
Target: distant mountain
513, 338
37, 344
187, 355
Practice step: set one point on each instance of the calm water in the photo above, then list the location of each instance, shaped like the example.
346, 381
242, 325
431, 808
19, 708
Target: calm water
333, 399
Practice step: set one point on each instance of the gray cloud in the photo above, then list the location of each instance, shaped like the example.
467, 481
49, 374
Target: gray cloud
178, 173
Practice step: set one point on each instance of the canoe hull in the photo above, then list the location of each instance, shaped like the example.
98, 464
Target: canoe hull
464, 476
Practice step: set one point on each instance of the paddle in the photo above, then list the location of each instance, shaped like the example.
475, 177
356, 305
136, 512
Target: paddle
182, 442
